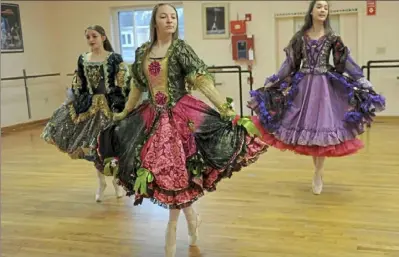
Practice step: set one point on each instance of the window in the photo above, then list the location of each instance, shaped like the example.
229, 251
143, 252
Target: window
134, 30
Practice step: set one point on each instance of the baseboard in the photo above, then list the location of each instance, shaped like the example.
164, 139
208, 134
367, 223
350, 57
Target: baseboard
387, 119
23, 126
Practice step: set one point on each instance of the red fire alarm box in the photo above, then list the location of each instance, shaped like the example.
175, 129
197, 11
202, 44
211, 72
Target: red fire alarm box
238, 27
243, 47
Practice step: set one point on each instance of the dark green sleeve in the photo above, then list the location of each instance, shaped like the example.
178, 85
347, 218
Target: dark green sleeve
79, 83
193, 67
136, 68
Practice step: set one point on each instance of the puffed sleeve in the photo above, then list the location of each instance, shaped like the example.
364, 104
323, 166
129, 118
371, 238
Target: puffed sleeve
79, 82
198, 78
344, 63
123, 76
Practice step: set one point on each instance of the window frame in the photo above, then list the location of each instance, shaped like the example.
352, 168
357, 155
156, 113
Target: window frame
115, 31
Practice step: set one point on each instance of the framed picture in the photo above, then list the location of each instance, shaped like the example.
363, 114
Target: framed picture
11, 31
215, 20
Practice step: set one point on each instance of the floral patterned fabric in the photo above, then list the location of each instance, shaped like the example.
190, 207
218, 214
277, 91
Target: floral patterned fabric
173, 147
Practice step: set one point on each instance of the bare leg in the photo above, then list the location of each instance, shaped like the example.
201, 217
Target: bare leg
317, 184
193, 223
101, 186
170, 237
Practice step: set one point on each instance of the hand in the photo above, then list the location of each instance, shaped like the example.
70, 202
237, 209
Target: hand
231, 113
364, 83
70, 97
226, 110
268, 84
120, 115
228, 115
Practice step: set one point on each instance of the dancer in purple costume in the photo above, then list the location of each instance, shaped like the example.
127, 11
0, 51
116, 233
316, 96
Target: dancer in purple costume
314, 109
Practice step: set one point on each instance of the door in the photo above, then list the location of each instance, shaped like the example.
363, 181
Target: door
284, 33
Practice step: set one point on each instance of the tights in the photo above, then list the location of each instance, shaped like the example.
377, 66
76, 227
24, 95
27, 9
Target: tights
188, 212
319, 165
170, 237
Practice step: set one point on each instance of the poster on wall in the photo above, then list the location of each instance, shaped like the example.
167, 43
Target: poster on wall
215, 20
11, 31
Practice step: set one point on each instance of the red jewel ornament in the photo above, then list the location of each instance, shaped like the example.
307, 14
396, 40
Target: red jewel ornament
154, 68
161, 98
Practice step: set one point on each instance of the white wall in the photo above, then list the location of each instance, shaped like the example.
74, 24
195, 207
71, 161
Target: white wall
56, 48
40, 56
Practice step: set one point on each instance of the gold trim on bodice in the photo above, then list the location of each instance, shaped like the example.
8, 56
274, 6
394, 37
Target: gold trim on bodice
92, 72
99, 104
156, 71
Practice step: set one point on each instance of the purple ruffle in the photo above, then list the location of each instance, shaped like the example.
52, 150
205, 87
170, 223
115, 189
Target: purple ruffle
258, 100
257, 104
365, 102
319, 137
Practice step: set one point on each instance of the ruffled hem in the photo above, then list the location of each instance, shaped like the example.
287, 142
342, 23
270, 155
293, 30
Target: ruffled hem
77, 140
151, 162
345, 148
205, 181
271, 103
320, 137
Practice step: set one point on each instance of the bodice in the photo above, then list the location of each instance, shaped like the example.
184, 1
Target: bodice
156, 71
168, 76
94, 73
316, 55
103, 77
110, 77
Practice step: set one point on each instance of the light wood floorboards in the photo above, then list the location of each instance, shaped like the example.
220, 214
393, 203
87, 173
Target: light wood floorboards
48, 207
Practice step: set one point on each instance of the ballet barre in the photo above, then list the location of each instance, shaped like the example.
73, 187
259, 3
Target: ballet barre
239, 70
229, 69
382, 64
25, 78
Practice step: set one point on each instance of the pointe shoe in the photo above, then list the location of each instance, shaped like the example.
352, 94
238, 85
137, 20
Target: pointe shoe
317, 184
118, 189
170, 239
100, 191
193, 231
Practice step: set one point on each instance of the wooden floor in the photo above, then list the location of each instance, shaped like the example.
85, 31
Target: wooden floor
48, 207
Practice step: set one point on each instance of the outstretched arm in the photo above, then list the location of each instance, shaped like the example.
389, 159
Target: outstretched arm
344, 63
133, 98
198, 78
